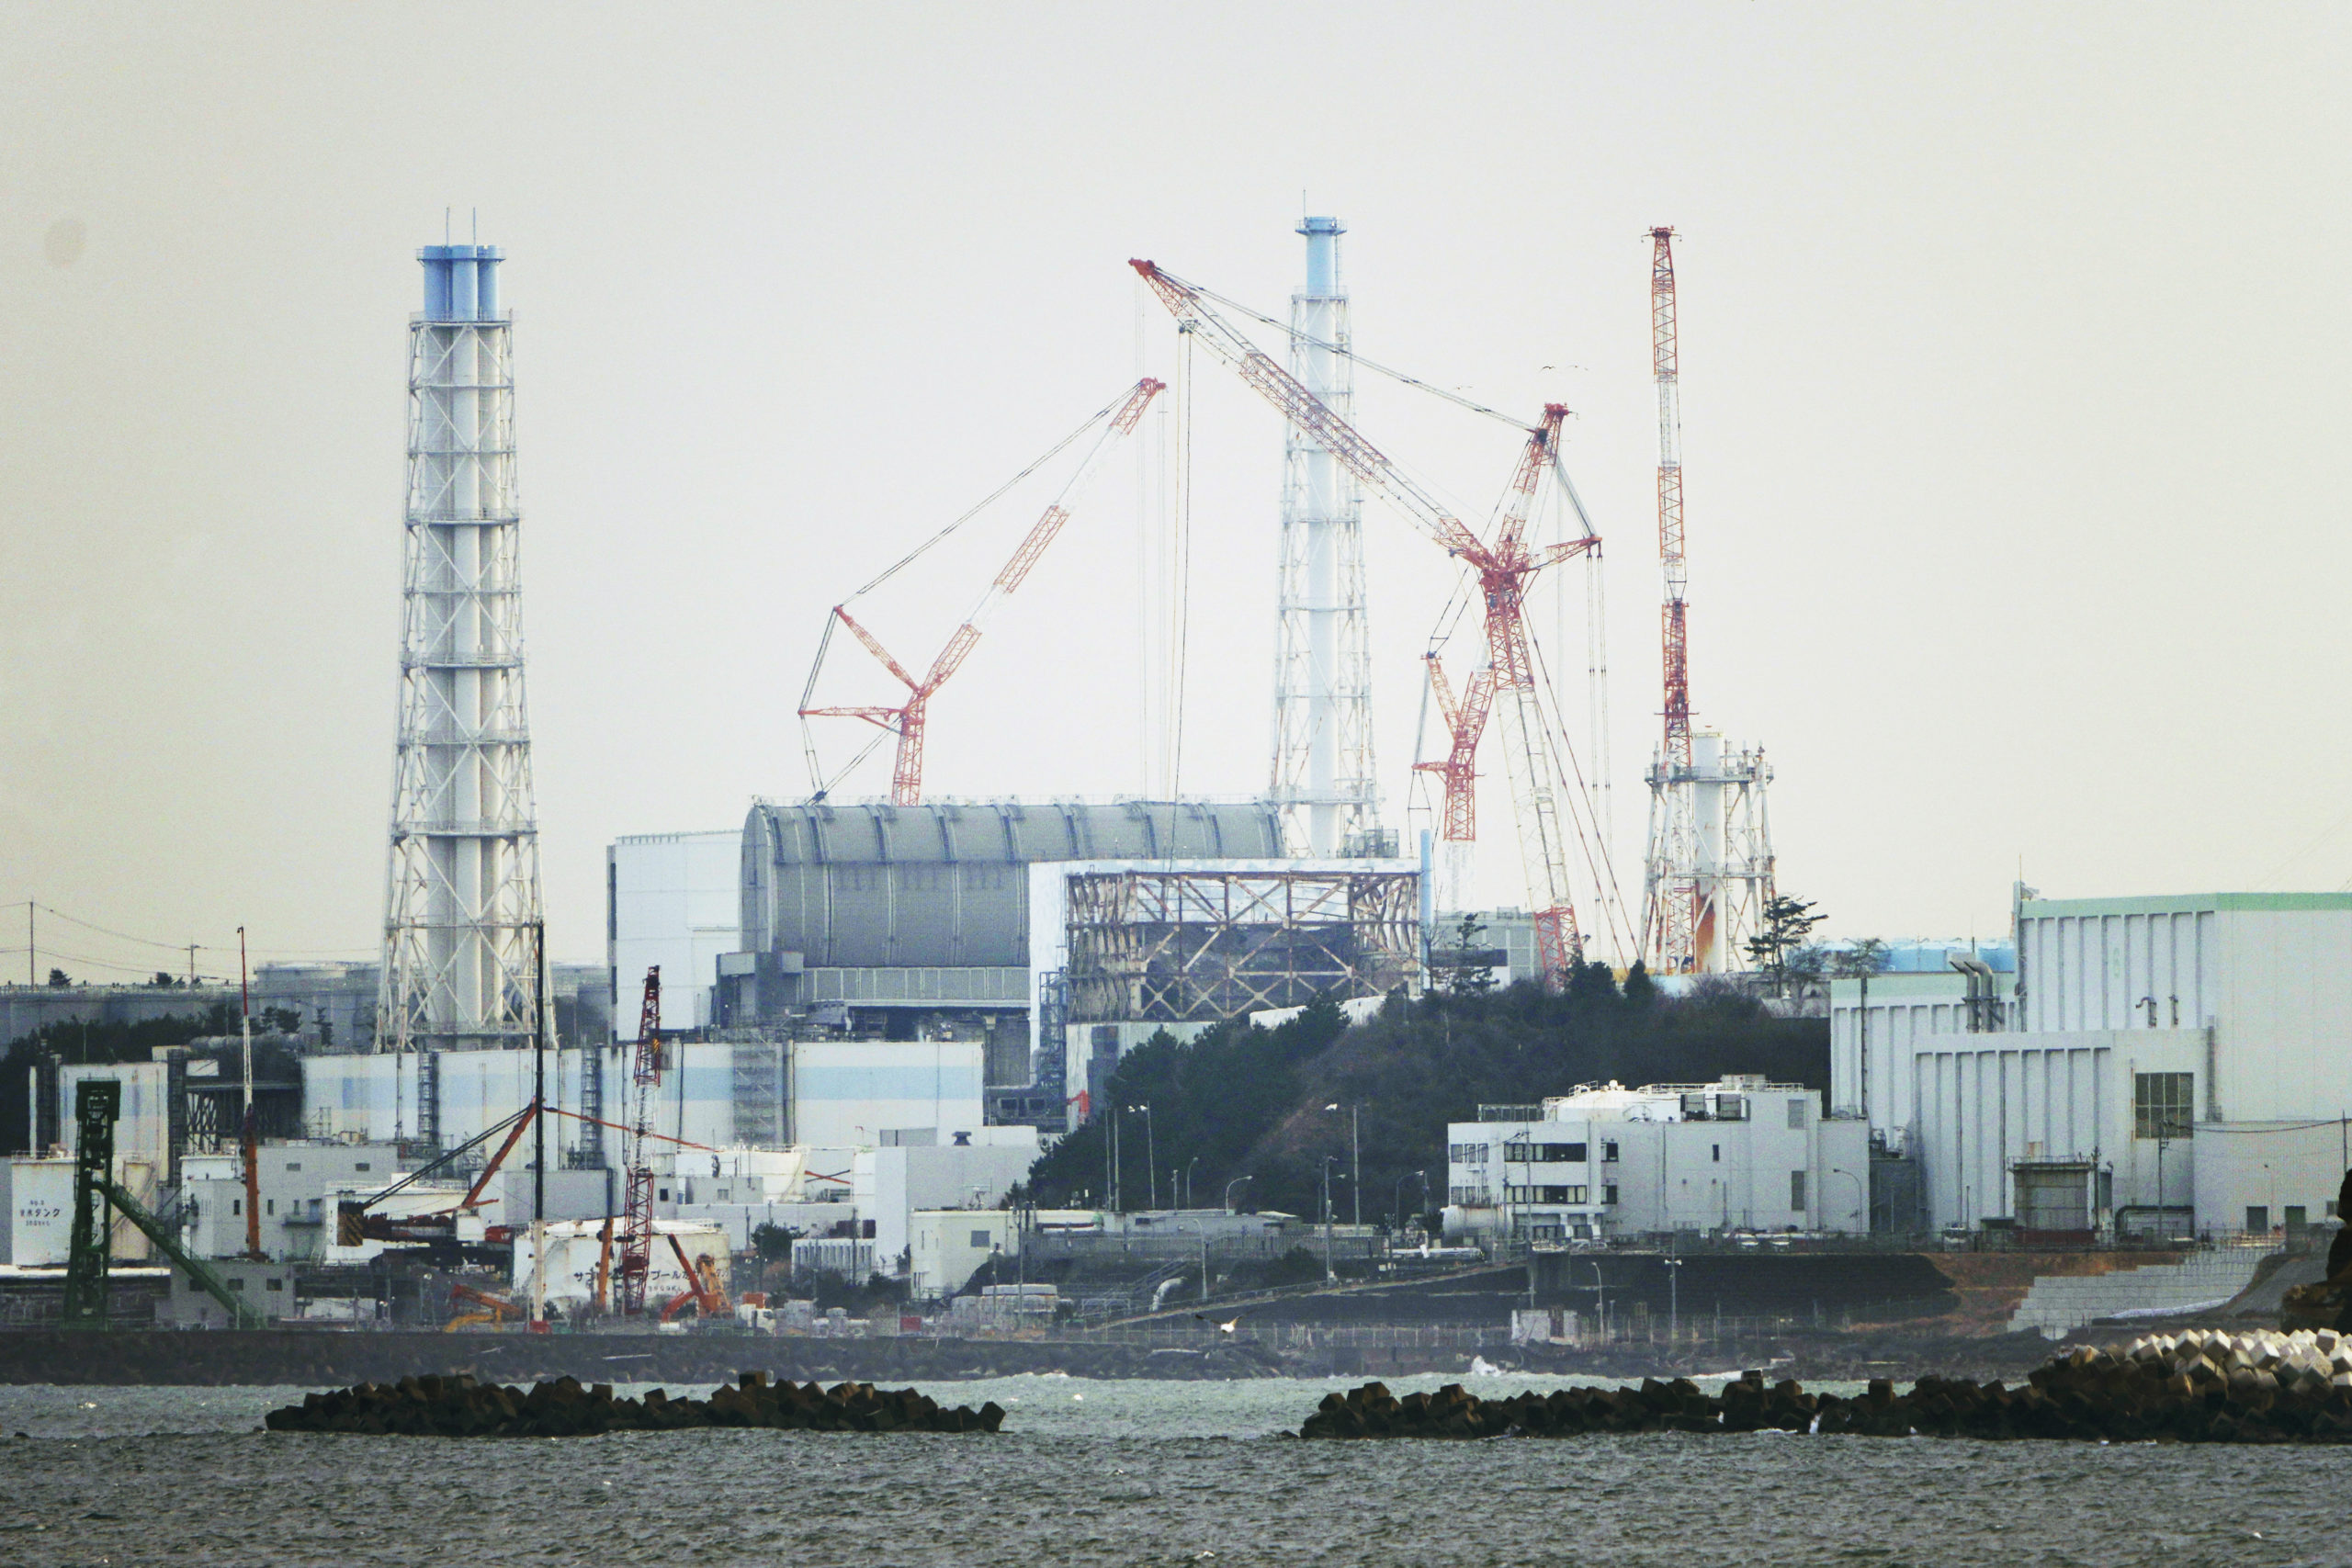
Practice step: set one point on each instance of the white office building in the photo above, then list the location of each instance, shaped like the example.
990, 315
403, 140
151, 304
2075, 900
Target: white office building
1740, 1155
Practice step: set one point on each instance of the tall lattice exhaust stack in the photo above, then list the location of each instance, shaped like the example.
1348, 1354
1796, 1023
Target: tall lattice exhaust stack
1323, 767
1708, 872
464, 885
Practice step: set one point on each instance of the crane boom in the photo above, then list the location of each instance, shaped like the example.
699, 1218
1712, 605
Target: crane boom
1291, 398
1504, 566
1675, 916
636, 1260
908, 721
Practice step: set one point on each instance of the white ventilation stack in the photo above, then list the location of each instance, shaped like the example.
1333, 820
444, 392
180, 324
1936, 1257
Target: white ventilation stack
460, 969
1323, 765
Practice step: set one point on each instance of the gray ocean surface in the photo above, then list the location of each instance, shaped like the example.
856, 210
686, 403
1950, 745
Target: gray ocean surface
1121, 1473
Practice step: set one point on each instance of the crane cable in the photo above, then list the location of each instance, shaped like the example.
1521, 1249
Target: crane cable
1348, 352
820, 784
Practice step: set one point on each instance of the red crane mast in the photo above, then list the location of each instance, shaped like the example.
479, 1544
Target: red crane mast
635, 1261
1673, 918
906, 720
1503, 567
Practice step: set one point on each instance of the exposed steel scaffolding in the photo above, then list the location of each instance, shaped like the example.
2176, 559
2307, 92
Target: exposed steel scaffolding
1200, 944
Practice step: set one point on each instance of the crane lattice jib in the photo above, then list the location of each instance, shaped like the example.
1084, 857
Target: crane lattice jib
636, 1260
1672, 917
1464, 722
908, 721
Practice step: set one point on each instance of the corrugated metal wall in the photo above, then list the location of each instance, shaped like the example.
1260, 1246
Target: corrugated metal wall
943, 885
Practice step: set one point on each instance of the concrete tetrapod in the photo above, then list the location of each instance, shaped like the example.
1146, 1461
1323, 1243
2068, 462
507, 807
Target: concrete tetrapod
2209, 1388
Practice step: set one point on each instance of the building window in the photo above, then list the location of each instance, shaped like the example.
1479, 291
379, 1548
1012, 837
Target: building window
269, 1206
274, 1284
1609, 1194
236, 1284
1472, 1198
362, 1165
1718, 1152
1557, 1154
1609, 1151
980, 1239
1796, 1190
1467, 1153
2258, 1217
2296, 1216
1546, 1194
236, 1205
2161, 1104
1796, 1113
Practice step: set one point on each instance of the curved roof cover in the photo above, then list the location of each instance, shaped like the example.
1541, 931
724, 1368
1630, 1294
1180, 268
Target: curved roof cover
881, 885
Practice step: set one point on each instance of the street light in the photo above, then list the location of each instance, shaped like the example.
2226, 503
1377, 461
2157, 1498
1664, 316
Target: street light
1356, 1156
1150, 1155
1188, 1179
1328, 1275
1228, 1192
1396, 1195
1862, 1195
1673, 1295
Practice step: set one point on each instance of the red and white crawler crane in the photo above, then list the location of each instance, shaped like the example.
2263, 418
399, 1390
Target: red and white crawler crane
908, 719
636, 1260
1503, 567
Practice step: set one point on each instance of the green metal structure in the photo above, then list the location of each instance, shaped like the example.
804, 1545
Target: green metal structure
97, 1105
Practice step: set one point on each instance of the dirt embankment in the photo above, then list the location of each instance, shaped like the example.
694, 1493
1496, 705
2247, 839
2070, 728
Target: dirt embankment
1991, 1285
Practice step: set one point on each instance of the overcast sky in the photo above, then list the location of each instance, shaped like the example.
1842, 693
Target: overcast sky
2013, 347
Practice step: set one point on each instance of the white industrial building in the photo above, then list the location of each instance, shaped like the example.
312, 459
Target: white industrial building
1742, 1154
675, 900
297, 1185
761, 1094
2151, 1065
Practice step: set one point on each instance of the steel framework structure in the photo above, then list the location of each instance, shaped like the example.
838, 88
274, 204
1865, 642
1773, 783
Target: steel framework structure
463, 894
1707, 872
1323, 775
1202, 946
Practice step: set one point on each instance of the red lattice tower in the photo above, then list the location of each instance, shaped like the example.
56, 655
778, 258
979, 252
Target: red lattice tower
636, 1260
1673, 894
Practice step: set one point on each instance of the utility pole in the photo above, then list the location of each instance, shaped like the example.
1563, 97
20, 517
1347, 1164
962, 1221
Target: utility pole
1328, 1275
251, 1136
1151, 1158
1356, 1156
539, 1091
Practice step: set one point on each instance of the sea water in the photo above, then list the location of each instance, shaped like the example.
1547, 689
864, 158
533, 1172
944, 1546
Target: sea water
1121, 1473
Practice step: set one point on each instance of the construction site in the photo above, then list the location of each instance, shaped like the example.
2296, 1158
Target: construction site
817, 1087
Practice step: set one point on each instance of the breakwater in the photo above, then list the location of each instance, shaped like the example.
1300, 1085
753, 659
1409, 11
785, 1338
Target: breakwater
463, 1407
2199, 1387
